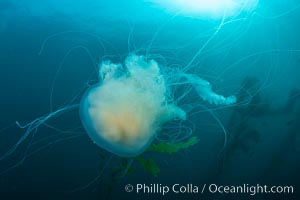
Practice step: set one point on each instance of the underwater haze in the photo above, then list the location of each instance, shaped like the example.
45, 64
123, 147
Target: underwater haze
123, 99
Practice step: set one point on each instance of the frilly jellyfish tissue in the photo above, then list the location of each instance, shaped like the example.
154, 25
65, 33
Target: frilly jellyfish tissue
127, 108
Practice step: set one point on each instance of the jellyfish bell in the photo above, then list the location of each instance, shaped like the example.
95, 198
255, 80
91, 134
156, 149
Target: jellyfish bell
126, 110
123, 113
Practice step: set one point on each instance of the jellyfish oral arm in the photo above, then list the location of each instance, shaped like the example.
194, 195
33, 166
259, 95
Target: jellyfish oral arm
204, 89
171, 112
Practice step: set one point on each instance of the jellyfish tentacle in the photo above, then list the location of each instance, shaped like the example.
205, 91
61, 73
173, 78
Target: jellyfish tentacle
31, 127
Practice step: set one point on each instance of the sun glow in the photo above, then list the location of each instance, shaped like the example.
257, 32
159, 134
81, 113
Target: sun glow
207, 8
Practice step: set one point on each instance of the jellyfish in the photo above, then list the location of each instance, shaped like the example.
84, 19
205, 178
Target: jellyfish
129, 106
125, 111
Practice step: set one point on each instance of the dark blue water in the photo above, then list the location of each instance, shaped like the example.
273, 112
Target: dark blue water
49, 55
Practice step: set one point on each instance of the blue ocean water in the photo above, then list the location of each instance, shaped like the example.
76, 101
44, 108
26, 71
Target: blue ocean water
50, 54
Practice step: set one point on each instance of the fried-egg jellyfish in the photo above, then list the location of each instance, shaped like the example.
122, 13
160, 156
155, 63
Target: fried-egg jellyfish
124, 112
